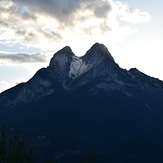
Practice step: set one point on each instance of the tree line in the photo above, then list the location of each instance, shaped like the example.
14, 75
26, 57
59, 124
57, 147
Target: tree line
14, 149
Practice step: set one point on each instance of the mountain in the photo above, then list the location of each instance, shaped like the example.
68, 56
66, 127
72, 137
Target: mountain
86, 103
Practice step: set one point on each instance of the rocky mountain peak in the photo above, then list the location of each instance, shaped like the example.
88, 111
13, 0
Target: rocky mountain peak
62, 56
65, 64
69, 72
61, 61
134, 70
96, 53
89, 102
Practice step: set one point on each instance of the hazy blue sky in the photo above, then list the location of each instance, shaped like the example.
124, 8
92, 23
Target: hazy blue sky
31, 31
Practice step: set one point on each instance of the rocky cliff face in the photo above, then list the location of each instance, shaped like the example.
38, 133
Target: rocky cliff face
69, 72
86, 103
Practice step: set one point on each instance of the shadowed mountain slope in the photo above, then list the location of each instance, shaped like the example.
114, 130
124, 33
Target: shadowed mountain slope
86, 103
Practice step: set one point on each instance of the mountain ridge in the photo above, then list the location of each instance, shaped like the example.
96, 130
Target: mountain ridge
70, 72
86, 103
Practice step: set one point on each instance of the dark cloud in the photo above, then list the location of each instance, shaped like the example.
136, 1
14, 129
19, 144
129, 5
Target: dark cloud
63, 10
28, 16
21, 32
22, 58
27, 35
30, 37
56, 8
4, 24
102, 10
51, 35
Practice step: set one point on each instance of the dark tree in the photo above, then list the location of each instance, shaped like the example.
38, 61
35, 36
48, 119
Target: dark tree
14, 149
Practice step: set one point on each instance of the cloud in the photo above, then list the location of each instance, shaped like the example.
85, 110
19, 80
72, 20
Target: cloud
102, 10
22, 58
65, 10
129, 15
44, 23
62, 10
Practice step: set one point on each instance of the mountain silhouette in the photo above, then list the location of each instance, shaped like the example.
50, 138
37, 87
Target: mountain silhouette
86, 103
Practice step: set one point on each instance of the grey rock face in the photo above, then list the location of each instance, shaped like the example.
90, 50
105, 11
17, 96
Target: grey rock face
82, 103
69, 72
60, 63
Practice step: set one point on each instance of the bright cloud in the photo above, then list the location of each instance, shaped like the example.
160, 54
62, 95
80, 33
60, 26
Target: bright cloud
45, 23
129, 15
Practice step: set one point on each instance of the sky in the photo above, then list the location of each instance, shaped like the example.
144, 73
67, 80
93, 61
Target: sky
31, 31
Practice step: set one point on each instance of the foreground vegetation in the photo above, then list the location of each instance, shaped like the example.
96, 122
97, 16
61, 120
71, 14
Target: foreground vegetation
13, 149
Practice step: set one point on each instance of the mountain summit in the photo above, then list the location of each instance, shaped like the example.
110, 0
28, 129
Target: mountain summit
69, 72
86, 103
64, 70
98, 51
